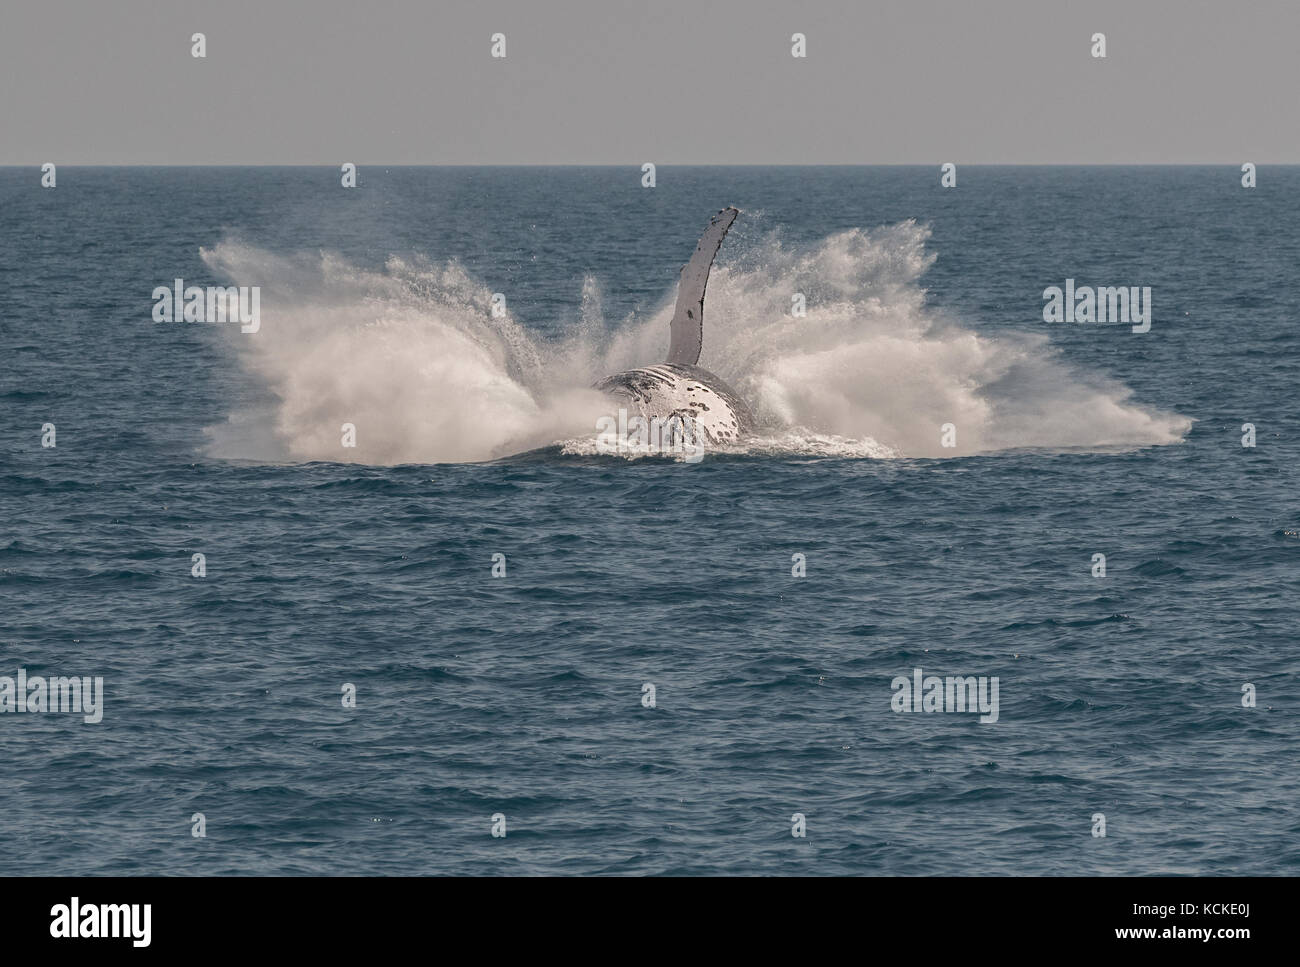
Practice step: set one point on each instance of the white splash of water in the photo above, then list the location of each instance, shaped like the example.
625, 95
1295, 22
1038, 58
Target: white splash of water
413, 357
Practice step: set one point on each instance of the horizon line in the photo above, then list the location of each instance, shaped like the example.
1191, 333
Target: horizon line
658, 164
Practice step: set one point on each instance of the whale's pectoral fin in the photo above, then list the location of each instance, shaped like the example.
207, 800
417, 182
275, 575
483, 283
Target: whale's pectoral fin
688, 318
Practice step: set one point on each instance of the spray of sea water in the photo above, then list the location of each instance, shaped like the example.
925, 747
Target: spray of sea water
413, 357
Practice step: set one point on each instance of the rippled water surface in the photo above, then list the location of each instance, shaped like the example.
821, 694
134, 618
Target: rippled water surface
522, 695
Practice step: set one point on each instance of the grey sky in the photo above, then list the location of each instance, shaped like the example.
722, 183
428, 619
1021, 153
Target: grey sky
669, 81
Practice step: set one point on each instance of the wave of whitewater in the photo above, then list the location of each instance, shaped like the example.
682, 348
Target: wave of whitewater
414, 358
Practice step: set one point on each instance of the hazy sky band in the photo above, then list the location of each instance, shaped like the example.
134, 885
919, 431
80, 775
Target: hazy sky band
702, 82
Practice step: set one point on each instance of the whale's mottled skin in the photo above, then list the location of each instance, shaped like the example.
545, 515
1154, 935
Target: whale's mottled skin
674, 390
678, 387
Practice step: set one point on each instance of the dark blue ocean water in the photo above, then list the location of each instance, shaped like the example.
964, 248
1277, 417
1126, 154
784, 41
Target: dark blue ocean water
522, 695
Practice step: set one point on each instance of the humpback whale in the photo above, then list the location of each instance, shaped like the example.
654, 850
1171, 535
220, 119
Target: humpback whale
678, 390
